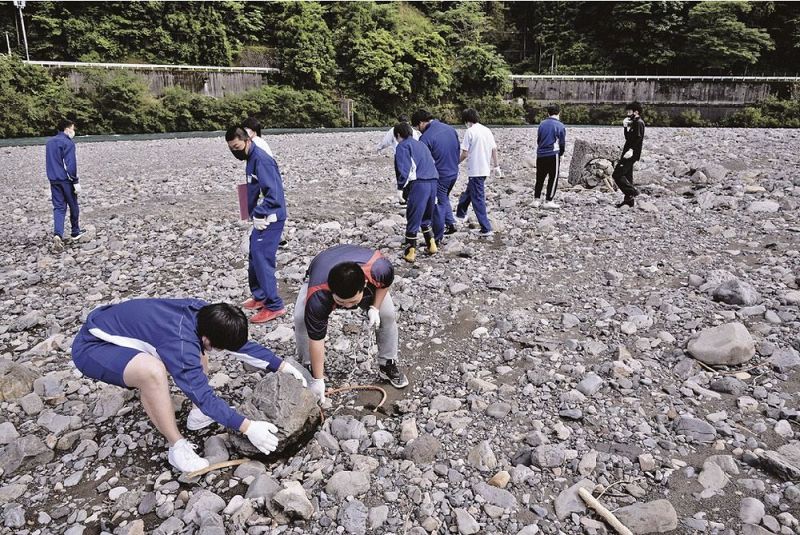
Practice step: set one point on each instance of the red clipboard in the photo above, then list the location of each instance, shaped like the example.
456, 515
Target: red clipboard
241, 192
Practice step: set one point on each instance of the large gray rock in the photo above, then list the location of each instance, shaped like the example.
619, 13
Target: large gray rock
15, 380
495, 496
25, 452
569, 501
422, 450
353, 517
293, 501
467, 525
587, 162
736, 292
201, 503
727, 344
346, 483
281, 399
697, 430
751, 511
653, 517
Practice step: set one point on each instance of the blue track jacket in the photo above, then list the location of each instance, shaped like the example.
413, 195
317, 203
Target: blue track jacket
167, 329
60, 158
413, 161
442, 140
264, 178
551, 138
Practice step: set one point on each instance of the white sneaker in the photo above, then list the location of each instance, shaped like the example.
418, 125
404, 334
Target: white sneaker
550, 205
478, 232
197, 420
461, 220
182, 456
537, 203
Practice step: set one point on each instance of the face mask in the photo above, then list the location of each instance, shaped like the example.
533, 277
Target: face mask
70, 133
240, 154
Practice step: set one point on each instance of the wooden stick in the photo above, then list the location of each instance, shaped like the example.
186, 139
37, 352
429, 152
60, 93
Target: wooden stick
607, 515
361, 387
216, 466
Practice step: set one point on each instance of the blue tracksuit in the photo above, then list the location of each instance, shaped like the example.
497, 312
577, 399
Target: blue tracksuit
62, 172
442, 140
264, 181
551, 138
167, 329
416, 170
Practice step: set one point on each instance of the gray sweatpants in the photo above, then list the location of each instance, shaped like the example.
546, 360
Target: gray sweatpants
387, 333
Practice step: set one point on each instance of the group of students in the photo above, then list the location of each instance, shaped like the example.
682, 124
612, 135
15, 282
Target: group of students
140, 343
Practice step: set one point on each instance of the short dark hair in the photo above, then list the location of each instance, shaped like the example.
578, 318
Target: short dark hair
347, 279
63, 124
253, 124
553, 109
421, 116
236, 132
470, 115
403, 118
634, 106
224, 325
403, 130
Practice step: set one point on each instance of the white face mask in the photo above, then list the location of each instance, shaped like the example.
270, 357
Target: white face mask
70, 133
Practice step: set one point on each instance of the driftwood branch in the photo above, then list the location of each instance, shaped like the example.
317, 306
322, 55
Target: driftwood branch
607, 515
215, 466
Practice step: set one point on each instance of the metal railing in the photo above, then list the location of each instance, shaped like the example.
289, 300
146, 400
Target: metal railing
154, 67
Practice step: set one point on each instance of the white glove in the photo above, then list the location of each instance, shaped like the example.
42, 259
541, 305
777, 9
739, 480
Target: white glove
400, 197
76, 187
498, 173
626, 122
294, 372
628, 154
262, 436
374, 318
261, 223
317, 386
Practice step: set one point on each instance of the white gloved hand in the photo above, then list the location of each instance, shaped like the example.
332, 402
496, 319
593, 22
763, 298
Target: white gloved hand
76, 187
628, 154
374, 318
294, 372
262, 435
626, 122
498, 172
261, 223
400, 197
317, 386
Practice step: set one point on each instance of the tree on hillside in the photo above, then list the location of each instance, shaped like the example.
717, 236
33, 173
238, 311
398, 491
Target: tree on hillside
305, 46
719, 42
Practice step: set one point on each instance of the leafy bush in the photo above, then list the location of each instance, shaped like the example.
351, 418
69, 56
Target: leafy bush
691, 118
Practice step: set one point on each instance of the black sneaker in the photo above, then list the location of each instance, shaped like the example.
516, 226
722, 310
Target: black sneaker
450, 229
392, 373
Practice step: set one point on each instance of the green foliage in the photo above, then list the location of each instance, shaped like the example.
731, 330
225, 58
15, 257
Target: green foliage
691, 118
494, 110
719, 42
306, 51
480, 70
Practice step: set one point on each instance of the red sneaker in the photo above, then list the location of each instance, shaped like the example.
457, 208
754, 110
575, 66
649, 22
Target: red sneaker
252, 304
264, 315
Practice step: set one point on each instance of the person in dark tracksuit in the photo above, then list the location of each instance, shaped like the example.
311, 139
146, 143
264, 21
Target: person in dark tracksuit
62, 172
442, 140
551, 139
269, 218
633, 126
416, 171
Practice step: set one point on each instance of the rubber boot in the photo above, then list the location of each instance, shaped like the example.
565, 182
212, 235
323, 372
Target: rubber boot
410, 254
427, 233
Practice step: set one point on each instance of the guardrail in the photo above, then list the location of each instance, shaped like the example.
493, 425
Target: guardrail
154, 67
614, 77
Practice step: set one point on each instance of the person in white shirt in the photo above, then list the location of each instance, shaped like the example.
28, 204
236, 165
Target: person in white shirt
389, 139
480, 150
253, 129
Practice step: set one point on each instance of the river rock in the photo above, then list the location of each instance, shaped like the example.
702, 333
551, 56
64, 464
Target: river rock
16, 380
727, 344
736, 292
653, 517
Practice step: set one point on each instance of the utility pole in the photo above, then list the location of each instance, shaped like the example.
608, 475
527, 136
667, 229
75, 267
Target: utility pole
20, 4
8, 44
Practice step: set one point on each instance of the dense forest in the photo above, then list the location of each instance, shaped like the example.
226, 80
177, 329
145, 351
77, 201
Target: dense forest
390, 56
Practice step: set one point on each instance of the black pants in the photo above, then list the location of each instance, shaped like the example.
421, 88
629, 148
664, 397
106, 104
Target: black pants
623, 176
547, 167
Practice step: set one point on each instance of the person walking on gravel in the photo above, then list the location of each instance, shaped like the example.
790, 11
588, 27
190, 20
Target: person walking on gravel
62, 172
480, 150
442, 140
417, 175
346, 276
142, 342
268, 216
633, 128
551, 139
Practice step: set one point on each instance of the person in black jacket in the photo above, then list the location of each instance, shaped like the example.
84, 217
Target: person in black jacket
634, 136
